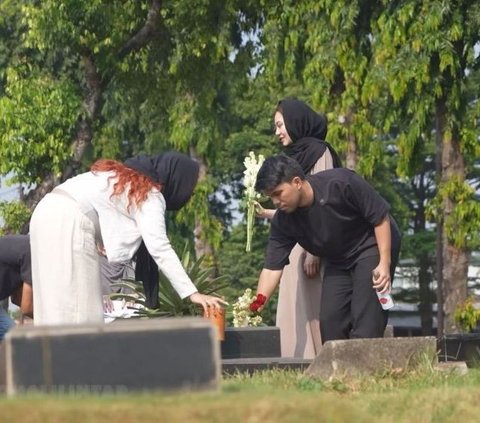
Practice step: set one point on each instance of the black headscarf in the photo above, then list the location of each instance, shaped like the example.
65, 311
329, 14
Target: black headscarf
178, 174
307, 130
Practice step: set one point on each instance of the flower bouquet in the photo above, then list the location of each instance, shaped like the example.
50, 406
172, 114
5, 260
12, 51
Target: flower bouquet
243, 313
252, 166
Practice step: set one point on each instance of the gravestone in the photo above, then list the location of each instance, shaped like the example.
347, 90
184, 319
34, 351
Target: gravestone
353, 357
460, 347
128, 355
251, 342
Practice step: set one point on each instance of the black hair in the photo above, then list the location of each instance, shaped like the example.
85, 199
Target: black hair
276, 170
279, 108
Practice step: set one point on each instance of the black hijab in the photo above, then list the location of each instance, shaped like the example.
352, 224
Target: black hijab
178, 174
307, 130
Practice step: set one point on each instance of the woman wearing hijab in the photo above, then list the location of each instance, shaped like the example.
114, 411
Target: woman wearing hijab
302, 132
119, 206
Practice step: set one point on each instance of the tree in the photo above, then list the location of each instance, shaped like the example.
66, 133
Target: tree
321, 51
55, 86
117, 78
419, 240
425, 55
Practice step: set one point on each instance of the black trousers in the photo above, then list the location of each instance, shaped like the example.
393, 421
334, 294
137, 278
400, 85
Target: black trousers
349, 304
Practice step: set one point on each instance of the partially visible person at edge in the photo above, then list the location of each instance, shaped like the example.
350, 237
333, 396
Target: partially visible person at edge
337, 215
15, 278
119, 206
302, 132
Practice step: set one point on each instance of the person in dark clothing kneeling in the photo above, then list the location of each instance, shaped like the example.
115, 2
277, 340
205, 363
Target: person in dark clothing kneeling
15, 277
337, 215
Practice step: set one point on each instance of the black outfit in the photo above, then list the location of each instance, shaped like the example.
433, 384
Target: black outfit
112, 273
15, 263
178, 175
307, 130
339, 227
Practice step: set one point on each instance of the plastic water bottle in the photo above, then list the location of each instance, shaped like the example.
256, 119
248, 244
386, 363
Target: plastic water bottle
385, 299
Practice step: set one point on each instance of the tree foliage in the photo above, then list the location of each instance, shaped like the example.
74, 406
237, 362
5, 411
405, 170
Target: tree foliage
38, 116
425, 56
398, 80
115, 78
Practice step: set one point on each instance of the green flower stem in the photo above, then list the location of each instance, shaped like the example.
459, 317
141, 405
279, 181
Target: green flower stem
250, 222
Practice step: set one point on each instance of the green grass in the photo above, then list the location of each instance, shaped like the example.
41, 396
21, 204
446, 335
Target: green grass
424, 395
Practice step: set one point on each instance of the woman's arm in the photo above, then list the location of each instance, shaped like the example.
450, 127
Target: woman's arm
150, 219
264, 213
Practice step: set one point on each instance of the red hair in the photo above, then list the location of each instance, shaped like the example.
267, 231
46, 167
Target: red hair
139, 185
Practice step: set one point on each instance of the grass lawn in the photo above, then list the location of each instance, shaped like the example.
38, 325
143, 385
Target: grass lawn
425, 395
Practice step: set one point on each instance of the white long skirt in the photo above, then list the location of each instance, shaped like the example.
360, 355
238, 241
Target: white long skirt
65, 264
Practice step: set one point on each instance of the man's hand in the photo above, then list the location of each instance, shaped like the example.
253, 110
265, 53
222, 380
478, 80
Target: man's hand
267, 283
258, 303
107, 304
381, 278
23, 298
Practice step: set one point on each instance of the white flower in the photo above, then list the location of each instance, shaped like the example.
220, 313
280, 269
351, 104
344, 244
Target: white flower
252, 166
242, 316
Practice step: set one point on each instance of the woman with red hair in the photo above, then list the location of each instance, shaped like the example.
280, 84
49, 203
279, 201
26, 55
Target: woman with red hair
122, 208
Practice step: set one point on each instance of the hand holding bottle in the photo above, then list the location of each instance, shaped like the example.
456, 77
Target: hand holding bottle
386, 300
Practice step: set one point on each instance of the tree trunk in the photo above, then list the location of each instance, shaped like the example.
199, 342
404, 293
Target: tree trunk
439, 130
423, 260
455, 259
202, 247
425, 306
455, 269
351, 158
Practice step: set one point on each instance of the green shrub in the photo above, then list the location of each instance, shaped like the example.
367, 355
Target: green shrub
466, 315
170, 303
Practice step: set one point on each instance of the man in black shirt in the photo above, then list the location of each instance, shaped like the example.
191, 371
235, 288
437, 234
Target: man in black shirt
15, 277
336, 215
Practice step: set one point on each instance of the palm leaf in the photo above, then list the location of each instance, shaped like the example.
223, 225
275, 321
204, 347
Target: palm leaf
170, 303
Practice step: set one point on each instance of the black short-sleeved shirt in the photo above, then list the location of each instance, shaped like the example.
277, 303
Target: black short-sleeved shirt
338, 226
15, 264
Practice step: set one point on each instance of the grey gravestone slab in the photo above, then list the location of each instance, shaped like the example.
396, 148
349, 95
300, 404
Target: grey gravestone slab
388, 332
251, 342
458, 367
131, 355
369, 356
460, 347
